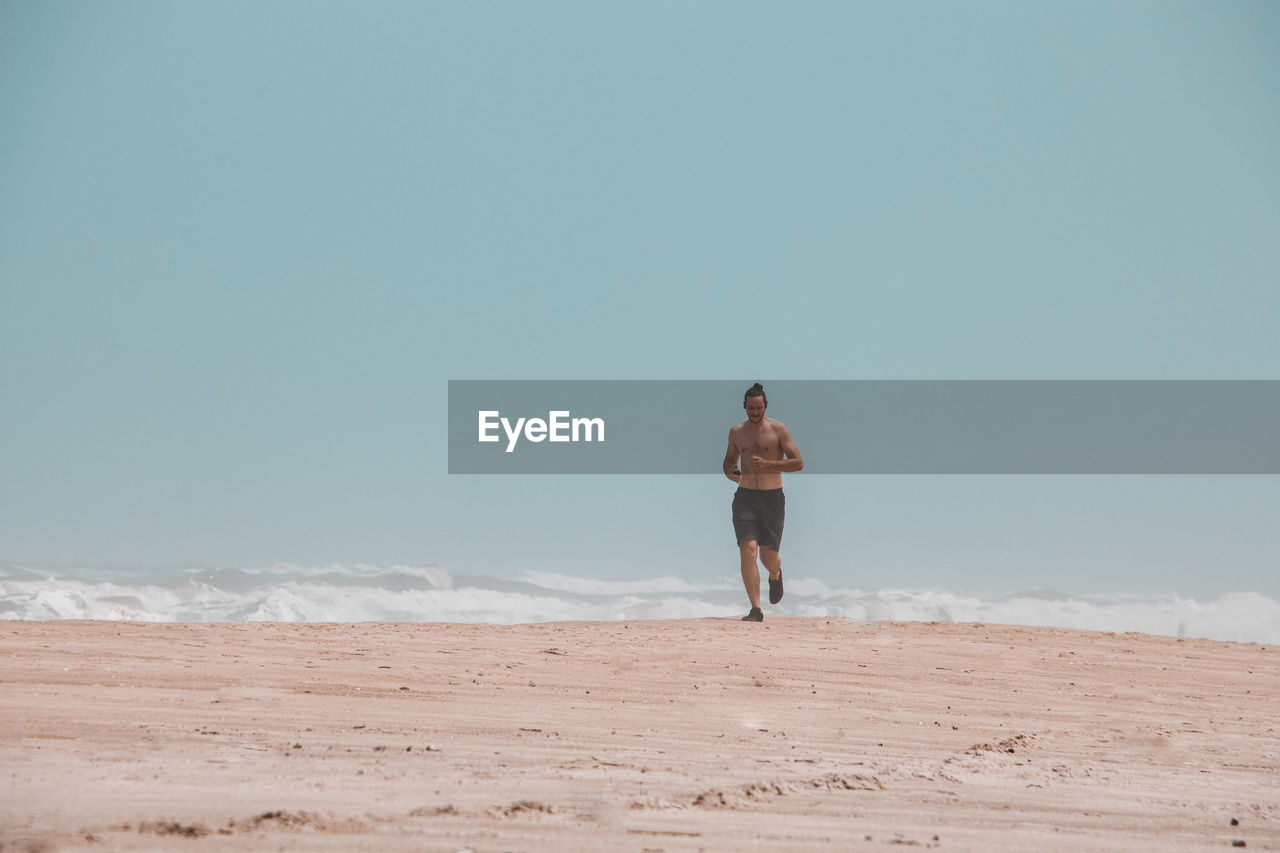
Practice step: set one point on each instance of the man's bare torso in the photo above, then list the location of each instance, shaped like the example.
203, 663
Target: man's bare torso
764, 440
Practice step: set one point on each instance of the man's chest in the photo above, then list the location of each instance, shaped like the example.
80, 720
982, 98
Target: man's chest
757, 441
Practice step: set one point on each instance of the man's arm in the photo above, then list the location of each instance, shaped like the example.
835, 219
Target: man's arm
730, 466
793, 462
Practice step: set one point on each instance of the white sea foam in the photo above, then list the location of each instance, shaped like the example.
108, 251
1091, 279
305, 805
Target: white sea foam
593, 586
403, 593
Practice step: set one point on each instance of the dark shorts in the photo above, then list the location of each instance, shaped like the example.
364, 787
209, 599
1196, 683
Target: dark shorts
758, 514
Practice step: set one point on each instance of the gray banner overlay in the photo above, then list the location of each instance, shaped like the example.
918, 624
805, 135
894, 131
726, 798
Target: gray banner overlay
872, 426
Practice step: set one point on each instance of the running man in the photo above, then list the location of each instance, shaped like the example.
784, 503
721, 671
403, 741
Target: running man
764, 448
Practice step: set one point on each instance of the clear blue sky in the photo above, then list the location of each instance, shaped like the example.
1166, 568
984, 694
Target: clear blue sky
243, 247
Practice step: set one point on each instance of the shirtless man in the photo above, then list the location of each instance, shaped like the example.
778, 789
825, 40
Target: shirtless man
764, 448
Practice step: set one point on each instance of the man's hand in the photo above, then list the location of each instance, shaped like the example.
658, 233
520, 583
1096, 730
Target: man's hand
735, 475
759, 463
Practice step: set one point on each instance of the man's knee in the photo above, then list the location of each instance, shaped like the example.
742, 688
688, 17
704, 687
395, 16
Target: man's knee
769, 557
749, 549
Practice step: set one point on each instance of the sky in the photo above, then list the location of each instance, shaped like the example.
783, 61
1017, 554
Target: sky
244, 246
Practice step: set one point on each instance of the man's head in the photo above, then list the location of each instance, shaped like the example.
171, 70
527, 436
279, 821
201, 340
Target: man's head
755, 402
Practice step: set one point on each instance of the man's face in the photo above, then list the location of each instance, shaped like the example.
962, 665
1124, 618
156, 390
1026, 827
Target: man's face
755, 407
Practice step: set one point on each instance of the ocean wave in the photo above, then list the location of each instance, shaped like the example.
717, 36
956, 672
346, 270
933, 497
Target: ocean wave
287, 592
594, 586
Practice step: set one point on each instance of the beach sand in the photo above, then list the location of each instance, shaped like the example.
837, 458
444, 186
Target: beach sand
705, 734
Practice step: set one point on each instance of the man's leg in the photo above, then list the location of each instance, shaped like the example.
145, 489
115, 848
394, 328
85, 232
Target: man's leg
750, 572
772, 561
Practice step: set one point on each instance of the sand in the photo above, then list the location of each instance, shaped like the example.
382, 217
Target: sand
708, 734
